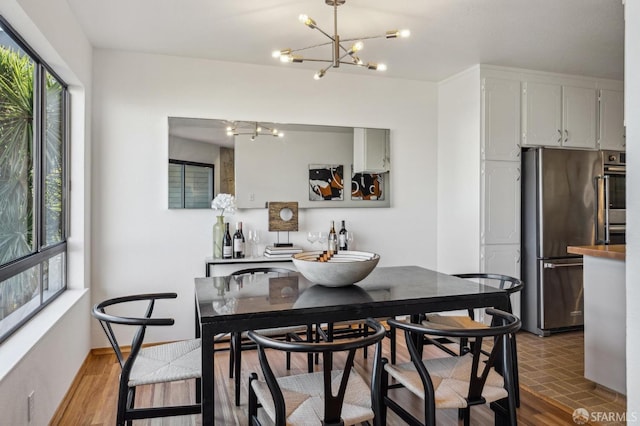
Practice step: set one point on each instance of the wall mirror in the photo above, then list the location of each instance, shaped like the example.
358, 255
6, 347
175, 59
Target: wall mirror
259, 162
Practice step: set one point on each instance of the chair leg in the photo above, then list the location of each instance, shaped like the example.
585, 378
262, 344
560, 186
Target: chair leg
392, 344
253, 400
516, 379
232, 351
237, 355
380, 418
288, 354
310, 355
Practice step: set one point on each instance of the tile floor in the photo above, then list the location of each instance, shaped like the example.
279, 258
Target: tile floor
553, 367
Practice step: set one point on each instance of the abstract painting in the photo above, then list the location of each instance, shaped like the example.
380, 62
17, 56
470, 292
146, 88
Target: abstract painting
366, 186
326, 182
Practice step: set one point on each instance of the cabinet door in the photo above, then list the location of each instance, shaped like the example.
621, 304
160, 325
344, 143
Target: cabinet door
541, 114
611, 129
579, 117
500, 119
370, 150
501, 203
505, 260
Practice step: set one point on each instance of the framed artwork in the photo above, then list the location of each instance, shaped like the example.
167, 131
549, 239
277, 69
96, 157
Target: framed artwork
326, 182
367, 186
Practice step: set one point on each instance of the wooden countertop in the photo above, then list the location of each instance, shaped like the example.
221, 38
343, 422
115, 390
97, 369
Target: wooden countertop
614, 251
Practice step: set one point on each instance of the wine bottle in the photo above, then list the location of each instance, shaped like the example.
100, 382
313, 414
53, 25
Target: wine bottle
227, 243
342, 238
238, 242
333, 239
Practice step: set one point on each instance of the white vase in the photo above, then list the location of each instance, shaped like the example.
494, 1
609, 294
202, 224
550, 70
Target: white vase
218, 235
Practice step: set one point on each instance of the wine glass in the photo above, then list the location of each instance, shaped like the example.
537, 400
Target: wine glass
350, 238
254, 239
312, 237
323, 239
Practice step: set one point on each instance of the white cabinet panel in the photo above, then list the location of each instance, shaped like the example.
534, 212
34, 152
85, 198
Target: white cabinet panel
541, 114
370, 150
501, 119
501, 203
611, 113
579, 117
505, 260
556, 115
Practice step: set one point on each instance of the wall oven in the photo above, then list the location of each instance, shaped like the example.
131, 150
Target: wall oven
611, 199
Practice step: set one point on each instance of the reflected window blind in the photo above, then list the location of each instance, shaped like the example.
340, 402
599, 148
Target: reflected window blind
190, 185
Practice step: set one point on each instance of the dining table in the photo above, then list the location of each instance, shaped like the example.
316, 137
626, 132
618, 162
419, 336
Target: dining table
236, 304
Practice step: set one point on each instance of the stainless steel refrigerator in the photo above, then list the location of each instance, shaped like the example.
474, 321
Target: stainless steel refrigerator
559, 209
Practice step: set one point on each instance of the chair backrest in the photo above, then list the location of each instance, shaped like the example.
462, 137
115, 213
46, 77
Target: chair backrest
504, 282
502, 330
107, 320
332, 403
266, 270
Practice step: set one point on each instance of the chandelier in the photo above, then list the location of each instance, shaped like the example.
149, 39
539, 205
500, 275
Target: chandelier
340, 54
252, 128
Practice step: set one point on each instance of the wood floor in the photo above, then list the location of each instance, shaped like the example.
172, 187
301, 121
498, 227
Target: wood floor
92, 398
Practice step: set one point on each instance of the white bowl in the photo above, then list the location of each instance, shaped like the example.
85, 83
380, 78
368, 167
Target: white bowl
343, 268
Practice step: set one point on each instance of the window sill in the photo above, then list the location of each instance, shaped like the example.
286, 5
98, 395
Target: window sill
14, 349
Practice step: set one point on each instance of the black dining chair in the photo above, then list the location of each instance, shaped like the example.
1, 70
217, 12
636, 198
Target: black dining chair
240, 342
511, 285
150, 365
330, 397
458, 382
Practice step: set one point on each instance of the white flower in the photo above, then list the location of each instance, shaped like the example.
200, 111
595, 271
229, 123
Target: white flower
225, 203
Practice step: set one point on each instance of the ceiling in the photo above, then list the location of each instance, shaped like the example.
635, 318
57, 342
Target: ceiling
583, 37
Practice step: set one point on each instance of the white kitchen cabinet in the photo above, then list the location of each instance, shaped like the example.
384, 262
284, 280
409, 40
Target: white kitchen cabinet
500, 119
500, 209
558, 115
611, 134
503, 259
370, 150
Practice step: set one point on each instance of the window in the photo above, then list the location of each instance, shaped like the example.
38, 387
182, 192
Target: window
33, 182
190, 185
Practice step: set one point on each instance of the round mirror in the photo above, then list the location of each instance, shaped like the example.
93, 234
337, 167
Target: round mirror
286, 214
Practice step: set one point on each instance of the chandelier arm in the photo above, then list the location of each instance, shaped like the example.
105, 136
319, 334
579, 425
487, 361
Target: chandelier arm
323, 32
317, 60
363, 38
311, 47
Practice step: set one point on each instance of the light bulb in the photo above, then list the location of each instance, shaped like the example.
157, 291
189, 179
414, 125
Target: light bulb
381, 67
274, 131
319, 75
253, 138
401, 33
258, 129
307, 21
280, 135
275, 54
357, 47
286, 58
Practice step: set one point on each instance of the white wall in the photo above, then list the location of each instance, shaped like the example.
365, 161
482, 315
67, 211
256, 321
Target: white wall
632, 115
45, 355
141, 245
459, 172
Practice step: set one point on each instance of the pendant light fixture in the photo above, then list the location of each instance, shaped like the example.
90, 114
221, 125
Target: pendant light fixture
340, 54
252, 128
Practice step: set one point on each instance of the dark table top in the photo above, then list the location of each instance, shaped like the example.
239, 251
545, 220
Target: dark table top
268, 300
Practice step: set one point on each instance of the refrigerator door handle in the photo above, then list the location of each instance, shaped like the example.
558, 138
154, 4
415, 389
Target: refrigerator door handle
549, 265
597, 180
607, 233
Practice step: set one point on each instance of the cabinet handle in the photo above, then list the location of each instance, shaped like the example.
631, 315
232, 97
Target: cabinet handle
560, 138
566, 132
